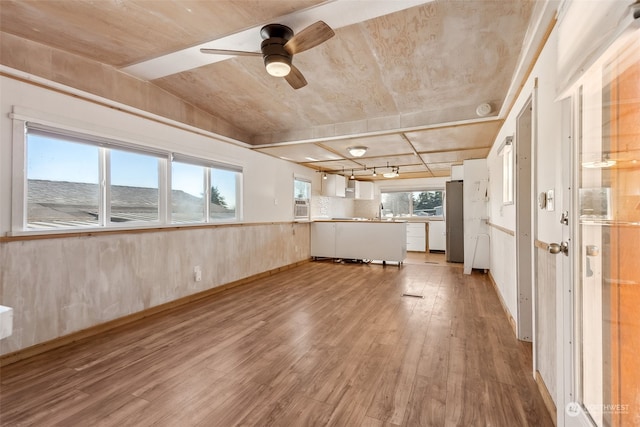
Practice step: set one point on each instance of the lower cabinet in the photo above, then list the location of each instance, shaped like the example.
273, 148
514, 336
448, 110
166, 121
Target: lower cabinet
417, 236
437, 236
370, 240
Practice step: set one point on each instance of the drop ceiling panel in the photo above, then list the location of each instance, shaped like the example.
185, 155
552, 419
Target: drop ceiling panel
455, 156
413, 168
407, 159
300, 153
377, 146
455, 137
334, 166
440, 169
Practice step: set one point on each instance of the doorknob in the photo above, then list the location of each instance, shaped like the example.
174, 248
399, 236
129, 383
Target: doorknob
555, 248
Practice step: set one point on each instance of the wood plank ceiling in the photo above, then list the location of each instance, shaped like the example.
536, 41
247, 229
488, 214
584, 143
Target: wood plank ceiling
405, 84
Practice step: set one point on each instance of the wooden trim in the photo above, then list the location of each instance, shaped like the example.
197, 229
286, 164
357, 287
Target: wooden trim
512, 321
102, 100
107, 231
9, 358
534, 60
541, 245
546, 397
504, 230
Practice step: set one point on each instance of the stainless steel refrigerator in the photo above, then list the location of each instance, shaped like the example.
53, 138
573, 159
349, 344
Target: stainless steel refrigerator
454, 222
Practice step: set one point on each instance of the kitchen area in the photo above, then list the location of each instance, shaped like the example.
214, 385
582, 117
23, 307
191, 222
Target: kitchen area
383, 220
367, 220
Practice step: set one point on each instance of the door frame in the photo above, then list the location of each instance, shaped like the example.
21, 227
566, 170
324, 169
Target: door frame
525, 212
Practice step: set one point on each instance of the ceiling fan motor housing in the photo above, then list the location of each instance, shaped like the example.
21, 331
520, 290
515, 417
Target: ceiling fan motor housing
274, 47
275, 37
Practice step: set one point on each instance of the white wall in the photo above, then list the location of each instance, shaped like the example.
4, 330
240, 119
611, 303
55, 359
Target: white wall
547, 115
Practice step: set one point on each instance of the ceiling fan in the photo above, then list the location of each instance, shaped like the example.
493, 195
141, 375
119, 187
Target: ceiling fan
278, 47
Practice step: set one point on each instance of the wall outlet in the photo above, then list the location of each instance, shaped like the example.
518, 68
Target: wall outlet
197, 273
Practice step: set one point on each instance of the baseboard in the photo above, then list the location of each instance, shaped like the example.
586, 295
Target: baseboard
43, 347
512, 321
546, 397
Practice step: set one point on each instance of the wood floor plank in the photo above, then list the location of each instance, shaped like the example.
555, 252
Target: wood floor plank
320, 344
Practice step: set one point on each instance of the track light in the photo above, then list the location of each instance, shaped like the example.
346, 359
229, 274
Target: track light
374, 172
324, 175
352, 175
393, 173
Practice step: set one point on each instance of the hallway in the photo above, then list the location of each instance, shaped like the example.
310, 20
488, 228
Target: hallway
320, 344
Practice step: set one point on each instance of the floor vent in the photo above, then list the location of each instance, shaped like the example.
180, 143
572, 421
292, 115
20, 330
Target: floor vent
430, 262
413, 295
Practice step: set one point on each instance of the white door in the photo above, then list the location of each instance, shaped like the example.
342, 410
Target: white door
600, 306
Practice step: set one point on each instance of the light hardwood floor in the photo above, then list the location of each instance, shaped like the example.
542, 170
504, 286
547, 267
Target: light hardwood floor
320, 344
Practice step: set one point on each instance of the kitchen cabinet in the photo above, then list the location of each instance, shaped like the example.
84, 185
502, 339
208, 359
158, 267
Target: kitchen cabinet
323, 239
363, 240
362, 190
417, 236
437, 236
334, 185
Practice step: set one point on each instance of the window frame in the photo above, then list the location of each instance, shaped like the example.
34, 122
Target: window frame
307, 201
22, 126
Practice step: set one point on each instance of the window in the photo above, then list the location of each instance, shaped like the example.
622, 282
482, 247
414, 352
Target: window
75, 180
426, 203
188, 193
301, 197
62, 182
224, 185
134, 191
202, 191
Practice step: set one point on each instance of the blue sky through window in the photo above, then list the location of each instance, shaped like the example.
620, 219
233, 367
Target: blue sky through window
56, 159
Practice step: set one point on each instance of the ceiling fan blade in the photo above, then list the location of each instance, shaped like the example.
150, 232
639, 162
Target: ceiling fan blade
295, 78
309, 37
230, 52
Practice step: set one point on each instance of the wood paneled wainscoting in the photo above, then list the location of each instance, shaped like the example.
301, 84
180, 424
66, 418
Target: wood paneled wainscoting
64, 287
319, 344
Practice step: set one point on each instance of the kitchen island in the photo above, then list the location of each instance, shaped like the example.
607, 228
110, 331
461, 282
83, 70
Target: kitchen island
366, 240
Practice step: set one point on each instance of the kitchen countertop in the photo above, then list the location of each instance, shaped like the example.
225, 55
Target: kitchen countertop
359, 220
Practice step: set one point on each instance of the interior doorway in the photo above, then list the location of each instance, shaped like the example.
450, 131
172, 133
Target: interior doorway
524, 223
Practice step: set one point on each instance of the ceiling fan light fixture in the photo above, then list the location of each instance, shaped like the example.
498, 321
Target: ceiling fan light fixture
277, 66
357, 151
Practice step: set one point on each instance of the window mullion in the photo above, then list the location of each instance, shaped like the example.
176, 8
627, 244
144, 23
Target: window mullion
164, 190
207, 194
104, 211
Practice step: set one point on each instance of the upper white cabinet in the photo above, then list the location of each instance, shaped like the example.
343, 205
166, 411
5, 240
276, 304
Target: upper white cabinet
360, 189
334, 186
